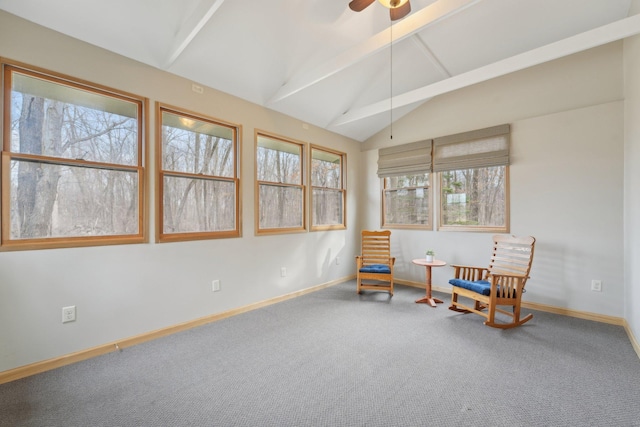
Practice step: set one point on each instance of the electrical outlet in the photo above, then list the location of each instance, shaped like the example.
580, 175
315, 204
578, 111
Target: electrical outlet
69, 314
596, 285
215, 285
283, 271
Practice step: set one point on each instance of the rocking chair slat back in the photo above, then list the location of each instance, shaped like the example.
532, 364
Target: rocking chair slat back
512, 256
376, 247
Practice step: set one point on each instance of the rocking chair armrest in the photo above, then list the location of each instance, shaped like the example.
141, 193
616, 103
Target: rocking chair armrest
467, 266
501, 275
504, 274
506, 280
468, 272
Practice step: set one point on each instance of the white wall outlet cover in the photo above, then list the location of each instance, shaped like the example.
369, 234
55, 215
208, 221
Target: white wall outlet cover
68, 314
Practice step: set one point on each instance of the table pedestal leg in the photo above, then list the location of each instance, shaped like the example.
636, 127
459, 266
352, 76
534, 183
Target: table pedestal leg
428, 299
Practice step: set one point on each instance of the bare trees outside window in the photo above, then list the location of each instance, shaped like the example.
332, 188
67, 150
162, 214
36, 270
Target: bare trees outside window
198, 177
280, 189
327, 189
475, 198
406, 201
72, 163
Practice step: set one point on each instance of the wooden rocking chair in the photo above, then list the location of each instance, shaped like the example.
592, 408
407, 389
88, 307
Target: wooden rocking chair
500, 284
375, 262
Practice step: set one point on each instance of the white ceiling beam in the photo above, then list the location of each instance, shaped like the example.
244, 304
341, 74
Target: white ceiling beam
599, 36
191, 27
428, 53
413, 23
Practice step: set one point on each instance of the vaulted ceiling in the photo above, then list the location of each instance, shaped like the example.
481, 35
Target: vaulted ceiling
322, 63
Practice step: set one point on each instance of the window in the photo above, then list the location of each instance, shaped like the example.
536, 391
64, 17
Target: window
327, 189
406, 201
474, 177
72, 169
198, 177
474, 198
406, 195
280, 190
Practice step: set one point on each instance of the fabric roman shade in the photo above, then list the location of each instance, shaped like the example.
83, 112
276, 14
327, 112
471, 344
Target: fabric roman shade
475, 149
407, 159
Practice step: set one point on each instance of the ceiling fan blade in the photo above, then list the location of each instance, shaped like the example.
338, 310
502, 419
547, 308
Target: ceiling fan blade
400, 12
358, 5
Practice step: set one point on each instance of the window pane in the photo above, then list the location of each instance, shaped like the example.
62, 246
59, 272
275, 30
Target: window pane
474, 197
74, 162
407, 200
66, 201
407, 206
198, 205
279, 161
326, 169
279, 183
280, 207
195, 152
56, 120
327, 207
327, 189
207, 151
407, 181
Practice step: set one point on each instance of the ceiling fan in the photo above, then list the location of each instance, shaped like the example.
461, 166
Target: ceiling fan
398, 9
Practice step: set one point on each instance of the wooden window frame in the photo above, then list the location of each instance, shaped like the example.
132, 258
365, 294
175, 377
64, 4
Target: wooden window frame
8, 68
236, 130
301, 185
342, 189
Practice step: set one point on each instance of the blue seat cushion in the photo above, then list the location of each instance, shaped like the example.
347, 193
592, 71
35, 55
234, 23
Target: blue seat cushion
376, 268
480, 286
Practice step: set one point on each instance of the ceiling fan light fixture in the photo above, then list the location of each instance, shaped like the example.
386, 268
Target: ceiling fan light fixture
393, 4
398, 9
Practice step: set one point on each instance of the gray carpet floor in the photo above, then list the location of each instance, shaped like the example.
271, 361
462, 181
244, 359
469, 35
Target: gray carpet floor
335, 358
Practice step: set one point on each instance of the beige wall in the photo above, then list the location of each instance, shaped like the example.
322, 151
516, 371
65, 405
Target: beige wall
566, 176
632, 179
122, 291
